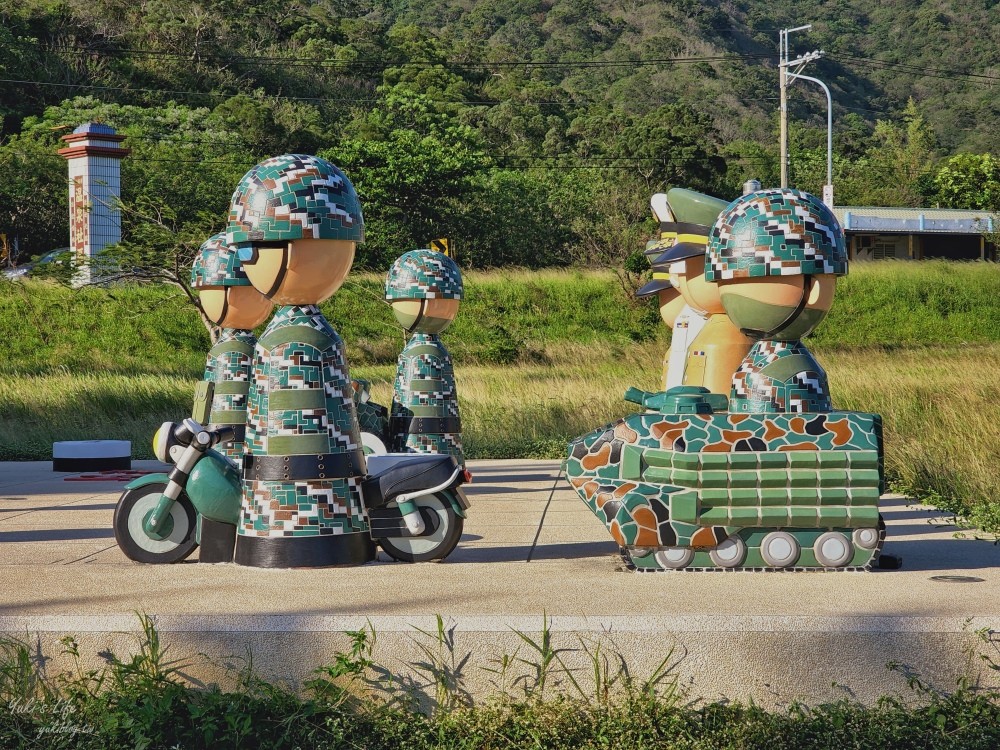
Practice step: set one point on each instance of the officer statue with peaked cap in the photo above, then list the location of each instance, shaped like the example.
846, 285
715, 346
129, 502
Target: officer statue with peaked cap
230, 301
713, 354
296, 221
424, 288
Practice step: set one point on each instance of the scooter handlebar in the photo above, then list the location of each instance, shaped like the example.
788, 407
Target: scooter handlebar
223, 435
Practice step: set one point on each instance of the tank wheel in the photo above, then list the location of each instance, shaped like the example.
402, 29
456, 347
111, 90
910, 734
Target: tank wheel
780, 549
866, 538
130, 513
730, 554
674, 558
833, 549
434, 546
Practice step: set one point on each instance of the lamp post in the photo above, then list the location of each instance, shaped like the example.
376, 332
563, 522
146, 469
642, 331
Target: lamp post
828, 187
787, 76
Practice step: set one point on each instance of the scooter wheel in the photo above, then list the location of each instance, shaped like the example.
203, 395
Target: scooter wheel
131, 511
435, 546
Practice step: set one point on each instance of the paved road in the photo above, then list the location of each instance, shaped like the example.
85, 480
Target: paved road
530, 546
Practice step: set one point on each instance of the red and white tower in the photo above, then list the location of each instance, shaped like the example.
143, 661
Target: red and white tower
94, 154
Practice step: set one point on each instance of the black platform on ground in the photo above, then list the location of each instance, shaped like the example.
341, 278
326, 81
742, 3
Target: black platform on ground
304, 552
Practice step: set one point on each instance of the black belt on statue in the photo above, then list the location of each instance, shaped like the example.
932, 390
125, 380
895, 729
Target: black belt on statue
309, 466
427, 425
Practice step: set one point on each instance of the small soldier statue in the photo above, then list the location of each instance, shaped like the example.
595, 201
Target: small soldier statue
230, 302
717, 350
424, 288
296, 220
776, 255
684, 217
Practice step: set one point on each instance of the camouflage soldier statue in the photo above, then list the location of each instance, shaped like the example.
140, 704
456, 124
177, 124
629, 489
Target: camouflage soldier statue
296, 221
776, 255
230, 302
424, 288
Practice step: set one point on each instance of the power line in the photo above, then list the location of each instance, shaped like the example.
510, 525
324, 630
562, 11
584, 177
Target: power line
918, 70
282, 97
267, 61
183, 93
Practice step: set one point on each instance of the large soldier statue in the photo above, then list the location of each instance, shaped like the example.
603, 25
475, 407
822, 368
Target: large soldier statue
424, 288
296, 220
229, 301
776, 255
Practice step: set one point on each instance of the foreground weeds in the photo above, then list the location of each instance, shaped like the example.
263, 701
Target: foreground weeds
142, 702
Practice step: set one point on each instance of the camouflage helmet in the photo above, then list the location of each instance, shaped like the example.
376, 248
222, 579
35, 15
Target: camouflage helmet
217, 265
776, 232
294, 197
423, 274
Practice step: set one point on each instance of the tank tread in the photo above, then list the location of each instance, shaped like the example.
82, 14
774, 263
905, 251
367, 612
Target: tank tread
872, 562
815, 569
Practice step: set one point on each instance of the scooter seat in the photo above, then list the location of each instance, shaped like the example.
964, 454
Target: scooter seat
418, 473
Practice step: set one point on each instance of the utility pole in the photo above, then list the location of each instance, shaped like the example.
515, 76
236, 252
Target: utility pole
783, 79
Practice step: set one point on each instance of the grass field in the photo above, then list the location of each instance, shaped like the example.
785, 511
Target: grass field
540, 357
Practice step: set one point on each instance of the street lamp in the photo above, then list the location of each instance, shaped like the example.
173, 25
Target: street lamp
787, 76
828, 187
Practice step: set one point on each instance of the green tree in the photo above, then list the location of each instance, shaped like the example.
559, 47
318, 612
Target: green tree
515, 220
33, 195
416, 171
673, 145
969, 181
898, 168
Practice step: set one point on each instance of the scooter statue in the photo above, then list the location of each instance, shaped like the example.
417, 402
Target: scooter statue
416, 506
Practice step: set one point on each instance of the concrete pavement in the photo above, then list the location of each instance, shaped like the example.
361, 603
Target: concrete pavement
530, 547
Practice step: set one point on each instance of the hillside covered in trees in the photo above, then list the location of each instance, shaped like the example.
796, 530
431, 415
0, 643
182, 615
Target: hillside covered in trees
531, 131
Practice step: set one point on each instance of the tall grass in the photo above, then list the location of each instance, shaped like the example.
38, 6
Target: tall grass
541, 357
942, 420
507, 316
38, 410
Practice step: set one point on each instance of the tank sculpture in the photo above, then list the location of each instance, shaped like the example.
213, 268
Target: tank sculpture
771, 478
425, 288
229, 301
296, 221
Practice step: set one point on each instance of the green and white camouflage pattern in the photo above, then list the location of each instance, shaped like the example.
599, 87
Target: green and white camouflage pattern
776, 232
778, 377
425, 416
372, 417
301, 402
217, 265
291, 197
423, 274
705, 490
229, 368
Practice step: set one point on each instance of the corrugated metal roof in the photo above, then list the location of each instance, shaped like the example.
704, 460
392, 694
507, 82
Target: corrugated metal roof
913, 220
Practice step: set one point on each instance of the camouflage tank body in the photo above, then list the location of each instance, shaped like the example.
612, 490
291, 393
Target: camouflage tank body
683, 486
